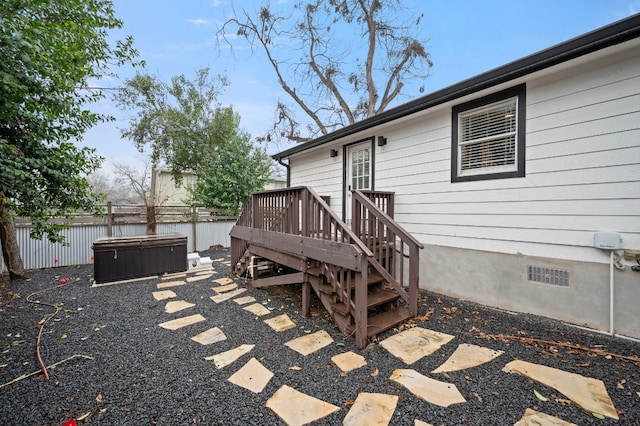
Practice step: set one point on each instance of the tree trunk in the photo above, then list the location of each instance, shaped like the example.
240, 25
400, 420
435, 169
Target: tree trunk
151, 220
10, 249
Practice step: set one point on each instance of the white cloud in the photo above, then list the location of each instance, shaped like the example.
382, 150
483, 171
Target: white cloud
198, 21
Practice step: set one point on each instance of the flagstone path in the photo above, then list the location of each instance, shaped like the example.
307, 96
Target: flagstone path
409, 346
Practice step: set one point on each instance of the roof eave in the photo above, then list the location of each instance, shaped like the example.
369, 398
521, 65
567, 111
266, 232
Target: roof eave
610, 35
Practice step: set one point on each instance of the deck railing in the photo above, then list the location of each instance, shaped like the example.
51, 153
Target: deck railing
395, 252
293, 211
384, 200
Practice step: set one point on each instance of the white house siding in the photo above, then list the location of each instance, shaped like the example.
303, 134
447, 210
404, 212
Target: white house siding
582, 176
322, 173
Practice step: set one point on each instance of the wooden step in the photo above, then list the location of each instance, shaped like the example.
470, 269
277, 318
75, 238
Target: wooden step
374, 299
386, 320
340, 308
377, 298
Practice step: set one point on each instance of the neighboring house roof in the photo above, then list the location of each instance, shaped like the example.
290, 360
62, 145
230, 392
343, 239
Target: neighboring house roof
610, 35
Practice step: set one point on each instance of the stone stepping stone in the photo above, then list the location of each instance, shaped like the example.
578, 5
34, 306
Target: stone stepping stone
227, 263
174, 275
280, 323
311, 343
421, 423
223, 281
253, 376
371, 409
349, 361
164, 294
535, 418
588, 393
225, 288
170, 284
177, 305
182, 322
208, 271
244, 300
257, 309
415, 343
223, 359
213, 335
221, 259
467, 356
297, 408
226, 296
433, 391
198, 278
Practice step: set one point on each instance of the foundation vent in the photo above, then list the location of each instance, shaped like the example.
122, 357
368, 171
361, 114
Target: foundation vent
541, 274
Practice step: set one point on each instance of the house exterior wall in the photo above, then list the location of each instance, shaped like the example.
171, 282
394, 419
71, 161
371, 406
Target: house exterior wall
582, 176
167, 192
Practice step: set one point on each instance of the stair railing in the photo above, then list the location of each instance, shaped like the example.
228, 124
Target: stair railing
390, 245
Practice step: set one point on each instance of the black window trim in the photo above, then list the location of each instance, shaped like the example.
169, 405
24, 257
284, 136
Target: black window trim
516, 91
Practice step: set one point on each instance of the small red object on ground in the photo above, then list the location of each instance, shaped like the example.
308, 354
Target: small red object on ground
63, 280
71, 422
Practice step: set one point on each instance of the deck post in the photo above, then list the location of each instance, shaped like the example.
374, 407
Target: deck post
306, 296
361, 304
414, 263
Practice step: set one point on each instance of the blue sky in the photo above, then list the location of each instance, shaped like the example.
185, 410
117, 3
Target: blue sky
466, 38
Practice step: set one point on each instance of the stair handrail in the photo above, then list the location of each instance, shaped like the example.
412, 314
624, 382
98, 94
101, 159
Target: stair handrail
406, 238
353, 237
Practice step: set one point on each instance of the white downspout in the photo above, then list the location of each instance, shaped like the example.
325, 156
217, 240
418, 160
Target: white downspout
611, 293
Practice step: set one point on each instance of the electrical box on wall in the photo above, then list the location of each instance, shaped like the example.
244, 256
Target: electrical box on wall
607, 240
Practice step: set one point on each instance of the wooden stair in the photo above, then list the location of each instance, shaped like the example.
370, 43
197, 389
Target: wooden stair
383, 308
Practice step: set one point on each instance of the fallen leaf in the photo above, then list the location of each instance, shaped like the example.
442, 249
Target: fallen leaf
349, 403
598, 416
295, 368
563, 401
3, 365
84, 416
339, 344
620, 384
478, 397
584, 364
103, 410
540, 396
344, 374
64, 336
209, 358
99, 398
374, 373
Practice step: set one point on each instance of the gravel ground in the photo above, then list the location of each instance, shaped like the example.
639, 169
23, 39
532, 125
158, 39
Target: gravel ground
142, 374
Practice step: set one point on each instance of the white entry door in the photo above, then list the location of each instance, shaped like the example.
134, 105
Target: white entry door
358, 172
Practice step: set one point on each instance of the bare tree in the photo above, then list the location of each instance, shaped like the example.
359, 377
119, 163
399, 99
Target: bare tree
137, 179
354, 59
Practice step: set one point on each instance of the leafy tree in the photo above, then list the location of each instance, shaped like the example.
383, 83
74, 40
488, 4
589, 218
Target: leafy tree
188, 129
339, 61
49, 52
226, 182
178, 121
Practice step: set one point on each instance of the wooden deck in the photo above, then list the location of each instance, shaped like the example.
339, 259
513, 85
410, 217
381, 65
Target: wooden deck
365, 276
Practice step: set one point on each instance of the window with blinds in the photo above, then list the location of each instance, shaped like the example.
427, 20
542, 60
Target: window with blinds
487, 137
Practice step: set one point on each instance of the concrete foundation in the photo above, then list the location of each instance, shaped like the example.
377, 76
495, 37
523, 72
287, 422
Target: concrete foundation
501, 281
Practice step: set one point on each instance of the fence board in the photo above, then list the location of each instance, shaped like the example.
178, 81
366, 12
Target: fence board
209, 230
